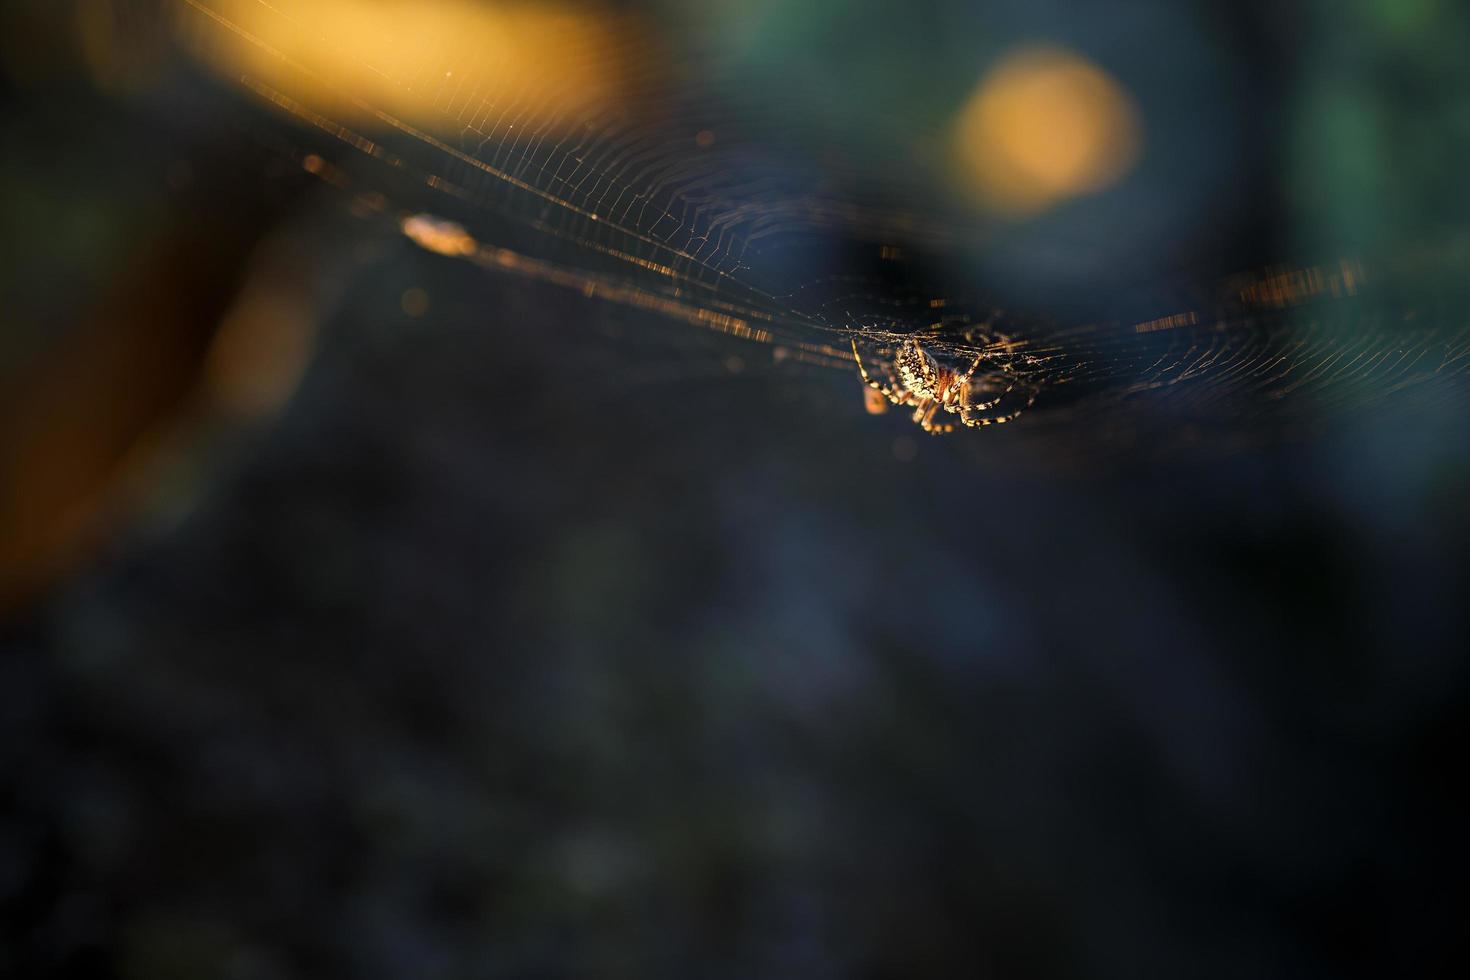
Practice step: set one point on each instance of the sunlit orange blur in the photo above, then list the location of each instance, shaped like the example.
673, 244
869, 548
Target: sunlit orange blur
874, 401
438, 65
438, 235
260, 351
1044, 125
90, 418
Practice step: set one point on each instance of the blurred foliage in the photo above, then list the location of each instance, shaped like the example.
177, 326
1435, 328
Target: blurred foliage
1380, 128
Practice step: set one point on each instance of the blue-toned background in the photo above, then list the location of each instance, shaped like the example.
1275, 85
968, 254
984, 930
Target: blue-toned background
521, 634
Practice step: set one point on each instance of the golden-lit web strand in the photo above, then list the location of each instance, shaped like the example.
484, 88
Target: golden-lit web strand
734, 314
401, 125
449, 239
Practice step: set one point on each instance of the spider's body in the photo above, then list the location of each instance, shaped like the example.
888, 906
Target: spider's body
912, 376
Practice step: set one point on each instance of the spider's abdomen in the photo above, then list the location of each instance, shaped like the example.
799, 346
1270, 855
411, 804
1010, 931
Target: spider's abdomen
916, 369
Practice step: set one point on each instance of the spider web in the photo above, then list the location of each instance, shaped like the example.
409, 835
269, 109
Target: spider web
686, 208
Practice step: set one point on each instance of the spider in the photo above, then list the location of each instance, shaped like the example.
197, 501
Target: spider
914, 376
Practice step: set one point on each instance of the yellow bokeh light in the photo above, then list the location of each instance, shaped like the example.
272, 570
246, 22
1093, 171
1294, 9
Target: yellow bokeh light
1044, 125
440, 65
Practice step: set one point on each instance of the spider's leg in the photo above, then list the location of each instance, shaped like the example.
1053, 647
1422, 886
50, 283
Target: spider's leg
963, 406
894, 389
890, 391
937, 428
924, 415
863, 368
965, 378
1011, 416
963, 381
1014, 380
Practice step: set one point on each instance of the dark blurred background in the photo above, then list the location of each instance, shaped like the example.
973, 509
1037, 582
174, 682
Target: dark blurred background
369, 613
